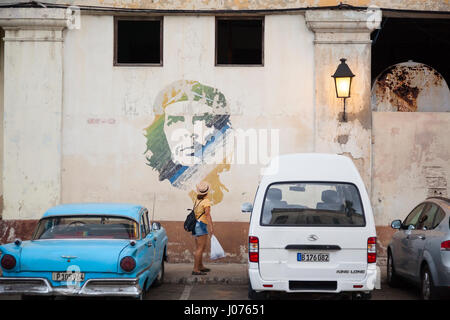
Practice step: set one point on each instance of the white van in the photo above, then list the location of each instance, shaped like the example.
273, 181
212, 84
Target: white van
312, 229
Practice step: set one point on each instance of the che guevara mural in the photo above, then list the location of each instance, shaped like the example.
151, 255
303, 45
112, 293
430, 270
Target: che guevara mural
187, 142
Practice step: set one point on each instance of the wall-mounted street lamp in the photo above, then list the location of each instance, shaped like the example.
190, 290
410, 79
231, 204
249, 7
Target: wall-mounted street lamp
343, 82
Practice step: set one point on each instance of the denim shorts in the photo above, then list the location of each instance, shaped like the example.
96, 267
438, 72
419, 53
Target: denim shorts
200, 229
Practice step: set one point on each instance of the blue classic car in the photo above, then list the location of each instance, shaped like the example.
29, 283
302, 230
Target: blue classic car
90, 249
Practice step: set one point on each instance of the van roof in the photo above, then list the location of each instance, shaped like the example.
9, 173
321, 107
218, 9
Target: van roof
312, 167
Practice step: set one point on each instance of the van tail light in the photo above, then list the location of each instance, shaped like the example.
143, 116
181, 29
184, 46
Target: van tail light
8, 262
372, 250
253, 249
445, 246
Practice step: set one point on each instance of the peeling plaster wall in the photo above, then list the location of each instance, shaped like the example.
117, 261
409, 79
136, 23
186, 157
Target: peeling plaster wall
410, 87
32, 121
343, 34
107, 108
411, 161
429, 5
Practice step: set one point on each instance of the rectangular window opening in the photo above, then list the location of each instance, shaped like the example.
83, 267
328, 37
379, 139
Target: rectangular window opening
240, 41
138, 41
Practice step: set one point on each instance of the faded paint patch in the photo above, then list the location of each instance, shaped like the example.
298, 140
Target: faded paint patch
395, 132
363, 117
342, 139
359, 162
101, 121
13, 229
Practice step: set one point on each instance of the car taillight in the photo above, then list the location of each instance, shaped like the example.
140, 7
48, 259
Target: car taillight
253, 249
128, 264
372, 250
445, 246
8, 262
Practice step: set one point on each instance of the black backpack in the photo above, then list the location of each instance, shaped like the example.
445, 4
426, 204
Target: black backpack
189, 223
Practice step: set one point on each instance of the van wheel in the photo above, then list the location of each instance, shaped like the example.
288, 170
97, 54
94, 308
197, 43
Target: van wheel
428, 290
254, 295
392, 277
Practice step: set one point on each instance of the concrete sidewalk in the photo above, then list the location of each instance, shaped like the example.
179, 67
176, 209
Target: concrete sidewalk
229, 273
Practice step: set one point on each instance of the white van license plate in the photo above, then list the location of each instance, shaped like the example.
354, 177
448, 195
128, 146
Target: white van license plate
313, 257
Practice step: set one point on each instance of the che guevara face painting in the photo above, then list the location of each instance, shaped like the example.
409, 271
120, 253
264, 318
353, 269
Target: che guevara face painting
187, 142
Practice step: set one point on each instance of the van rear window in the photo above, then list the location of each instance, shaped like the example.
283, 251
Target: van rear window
313, 204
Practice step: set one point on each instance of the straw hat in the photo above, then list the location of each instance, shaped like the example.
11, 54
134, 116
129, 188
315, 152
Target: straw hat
202, 188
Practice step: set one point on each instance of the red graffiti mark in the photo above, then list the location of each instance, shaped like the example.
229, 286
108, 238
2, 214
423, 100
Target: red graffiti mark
101, 121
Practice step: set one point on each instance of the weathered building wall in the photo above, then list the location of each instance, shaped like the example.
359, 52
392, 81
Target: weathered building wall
32, 111
429, 5
109, 113
411, 161
105, 138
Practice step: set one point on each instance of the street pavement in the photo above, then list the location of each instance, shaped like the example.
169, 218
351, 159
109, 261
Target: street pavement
230, 282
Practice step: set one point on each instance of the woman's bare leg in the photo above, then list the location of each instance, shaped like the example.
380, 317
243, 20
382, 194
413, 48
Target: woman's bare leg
198, 254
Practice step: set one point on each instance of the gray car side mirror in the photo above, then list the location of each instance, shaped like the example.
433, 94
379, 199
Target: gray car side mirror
246, 207
396, 224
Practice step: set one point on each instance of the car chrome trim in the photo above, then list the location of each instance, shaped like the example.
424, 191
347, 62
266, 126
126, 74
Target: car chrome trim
312, 247
93, 287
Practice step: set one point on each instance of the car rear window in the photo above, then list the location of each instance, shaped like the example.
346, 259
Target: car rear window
86, 227
312, 204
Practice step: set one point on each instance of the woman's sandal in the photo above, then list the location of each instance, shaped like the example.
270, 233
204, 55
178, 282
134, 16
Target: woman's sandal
194, 273
205, 270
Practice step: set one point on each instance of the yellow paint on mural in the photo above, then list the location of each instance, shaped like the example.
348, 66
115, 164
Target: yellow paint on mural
217, 187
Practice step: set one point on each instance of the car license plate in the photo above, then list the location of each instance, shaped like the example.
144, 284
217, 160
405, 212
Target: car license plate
68, 276
313, 257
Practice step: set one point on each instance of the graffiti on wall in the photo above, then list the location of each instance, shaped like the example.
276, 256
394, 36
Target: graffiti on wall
187, 140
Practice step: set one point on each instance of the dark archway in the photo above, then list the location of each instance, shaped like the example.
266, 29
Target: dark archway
404, 39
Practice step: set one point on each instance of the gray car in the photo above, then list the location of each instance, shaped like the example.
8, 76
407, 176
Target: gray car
420, 250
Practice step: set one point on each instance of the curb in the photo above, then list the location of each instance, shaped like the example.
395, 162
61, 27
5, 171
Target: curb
207, 280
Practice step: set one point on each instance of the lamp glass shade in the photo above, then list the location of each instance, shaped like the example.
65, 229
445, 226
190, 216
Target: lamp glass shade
343, 86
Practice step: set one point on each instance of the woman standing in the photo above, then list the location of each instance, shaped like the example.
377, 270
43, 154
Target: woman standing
202, 209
